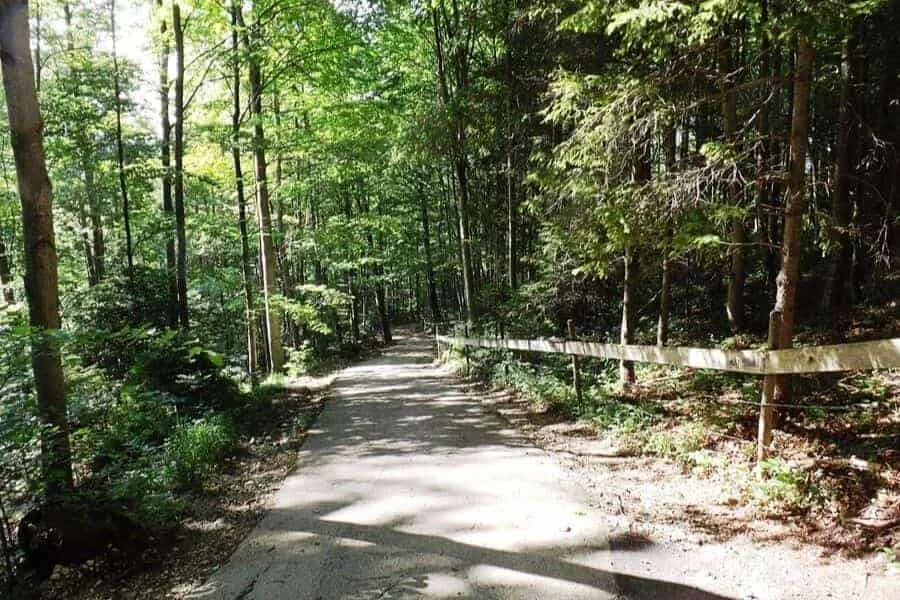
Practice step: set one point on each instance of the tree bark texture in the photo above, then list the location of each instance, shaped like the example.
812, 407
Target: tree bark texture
41, 276
795, 206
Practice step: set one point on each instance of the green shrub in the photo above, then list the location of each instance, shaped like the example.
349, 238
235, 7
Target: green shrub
194, 450
147, 493
301, 360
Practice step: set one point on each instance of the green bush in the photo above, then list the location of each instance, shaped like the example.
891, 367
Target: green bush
194, 450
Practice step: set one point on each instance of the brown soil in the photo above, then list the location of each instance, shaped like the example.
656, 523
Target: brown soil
669, 501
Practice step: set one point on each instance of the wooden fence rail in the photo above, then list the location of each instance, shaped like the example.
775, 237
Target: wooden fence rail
860, 356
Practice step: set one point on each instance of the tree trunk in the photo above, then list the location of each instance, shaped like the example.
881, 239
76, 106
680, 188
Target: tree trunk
795, 206
6, 275
267, 247
166, 164
348, 278
246, 269
511, 219
380, 296
735, 303
98, 243
665, 302
461, 166
642, 172
120, 151
670, 144
429, 265
626, 334
763, 196
838, 300
180, 235
41, 277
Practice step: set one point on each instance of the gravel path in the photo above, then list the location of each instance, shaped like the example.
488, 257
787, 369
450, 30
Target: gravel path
409, 488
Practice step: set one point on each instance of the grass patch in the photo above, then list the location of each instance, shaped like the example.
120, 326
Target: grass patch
195, 449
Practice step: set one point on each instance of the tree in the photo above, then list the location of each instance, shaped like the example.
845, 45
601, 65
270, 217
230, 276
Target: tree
41, 277
120, 148
178, 150
165, 158
246, 268
454, 30
267, 246
795, 204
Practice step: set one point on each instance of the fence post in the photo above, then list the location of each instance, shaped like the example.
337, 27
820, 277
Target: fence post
506, 354
466, 349
576, 372
766, 410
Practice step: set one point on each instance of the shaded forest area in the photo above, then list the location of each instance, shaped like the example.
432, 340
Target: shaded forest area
248, 191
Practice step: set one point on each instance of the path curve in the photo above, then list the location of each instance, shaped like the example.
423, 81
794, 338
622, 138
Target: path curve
408, 488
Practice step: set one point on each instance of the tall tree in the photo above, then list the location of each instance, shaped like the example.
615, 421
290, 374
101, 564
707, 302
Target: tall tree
41, 277
454, 30
795, 204
246, 268
178, 150
735, 304
120, 149
268, 259
165, 157
845, 151
433, 302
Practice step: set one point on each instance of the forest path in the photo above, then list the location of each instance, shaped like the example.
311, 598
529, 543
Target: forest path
407, 487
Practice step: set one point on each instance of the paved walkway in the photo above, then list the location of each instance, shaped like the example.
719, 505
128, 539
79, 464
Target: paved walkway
406, 488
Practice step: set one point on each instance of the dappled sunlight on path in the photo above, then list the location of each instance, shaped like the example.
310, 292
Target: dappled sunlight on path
408, 488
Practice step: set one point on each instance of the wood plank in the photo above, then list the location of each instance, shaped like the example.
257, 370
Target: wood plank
859, 356
882, 354
741, 361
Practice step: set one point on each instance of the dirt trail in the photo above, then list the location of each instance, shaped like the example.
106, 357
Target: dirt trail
409, 488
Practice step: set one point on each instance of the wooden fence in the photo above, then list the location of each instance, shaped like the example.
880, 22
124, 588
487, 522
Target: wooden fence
861, 356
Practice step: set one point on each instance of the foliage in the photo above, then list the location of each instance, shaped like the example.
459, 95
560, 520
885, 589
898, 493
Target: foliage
195, 449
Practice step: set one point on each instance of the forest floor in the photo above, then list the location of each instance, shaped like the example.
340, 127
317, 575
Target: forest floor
217, 518
841, 497
660, 501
